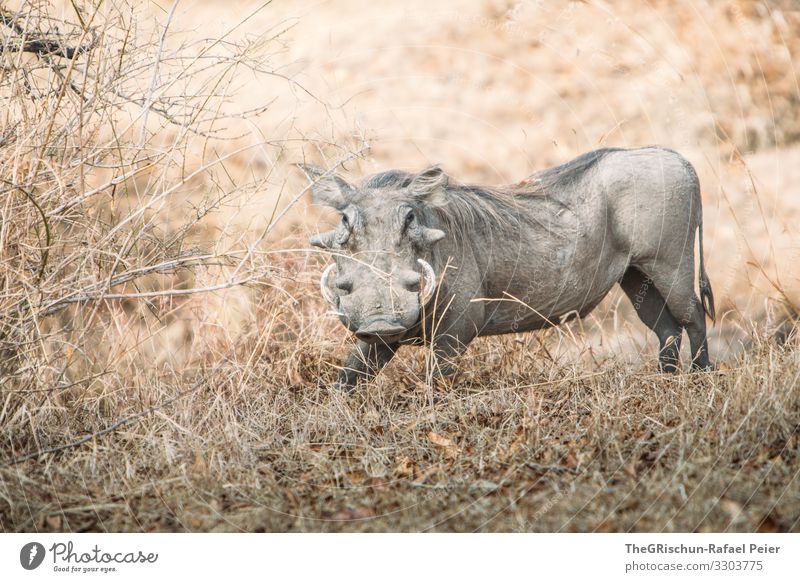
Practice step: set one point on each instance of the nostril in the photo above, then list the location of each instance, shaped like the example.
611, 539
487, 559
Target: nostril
410, 281
413, 286
344, 284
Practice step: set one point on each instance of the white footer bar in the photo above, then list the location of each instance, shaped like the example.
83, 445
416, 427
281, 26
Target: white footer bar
354, 557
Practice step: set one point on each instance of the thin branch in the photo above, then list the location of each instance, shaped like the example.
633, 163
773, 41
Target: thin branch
111, 428
62, 303
154, 79
39, 45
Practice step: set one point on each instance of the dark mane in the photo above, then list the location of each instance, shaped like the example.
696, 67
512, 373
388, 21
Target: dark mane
467, 205
388, 179
471, 206
544, 180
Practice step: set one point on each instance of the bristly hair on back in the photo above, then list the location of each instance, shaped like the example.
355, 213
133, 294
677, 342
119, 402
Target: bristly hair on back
562, 176
468, 207
496, 209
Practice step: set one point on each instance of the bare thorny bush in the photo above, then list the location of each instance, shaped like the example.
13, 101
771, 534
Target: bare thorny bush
116, 147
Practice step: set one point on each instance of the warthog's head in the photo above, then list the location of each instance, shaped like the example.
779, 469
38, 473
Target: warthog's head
382, 276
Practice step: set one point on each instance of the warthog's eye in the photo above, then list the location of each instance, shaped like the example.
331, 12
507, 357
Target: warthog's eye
409, 220
344, 232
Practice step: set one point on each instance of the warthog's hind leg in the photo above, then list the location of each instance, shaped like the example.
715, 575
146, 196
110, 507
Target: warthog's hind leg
654, 313
676, 284
363, 363
696, 328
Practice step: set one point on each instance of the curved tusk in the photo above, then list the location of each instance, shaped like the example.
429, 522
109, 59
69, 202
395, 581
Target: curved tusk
429, 277
323, 285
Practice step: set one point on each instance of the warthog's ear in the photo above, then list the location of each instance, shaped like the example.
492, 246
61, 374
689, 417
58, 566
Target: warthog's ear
430, 185
324, 240
430, 236
329, 190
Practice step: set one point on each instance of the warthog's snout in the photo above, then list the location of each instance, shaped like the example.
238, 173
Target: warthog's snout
379, 330
405, 280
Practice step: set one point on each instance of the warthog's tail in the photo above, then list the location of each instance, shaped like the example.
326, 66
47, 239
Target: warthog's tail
706, 295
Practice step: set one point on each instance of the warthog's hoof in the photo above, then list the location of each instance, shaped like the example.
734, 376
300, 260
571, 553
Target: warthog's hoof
669, 367
343, 386
709, 367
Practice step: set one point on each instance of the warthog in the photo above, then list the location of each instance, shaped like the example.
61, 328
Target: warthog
420, 258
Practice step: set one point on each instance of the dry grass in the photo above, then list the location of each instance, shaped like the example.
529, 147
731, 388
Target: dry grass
164, 357
517, 442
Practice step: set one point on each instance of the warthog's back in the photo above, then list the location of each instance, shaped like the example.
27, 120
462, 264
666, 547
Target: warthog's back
589, 220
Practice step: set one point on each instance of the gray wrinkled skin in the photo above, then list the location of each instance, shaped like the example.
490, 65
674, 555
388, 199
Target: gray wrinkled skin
515, 258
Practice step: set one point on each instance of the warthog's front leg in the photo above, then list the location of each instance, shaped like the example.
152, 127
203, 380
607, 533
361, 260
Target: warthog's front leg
364, 362
453, 332
446, 350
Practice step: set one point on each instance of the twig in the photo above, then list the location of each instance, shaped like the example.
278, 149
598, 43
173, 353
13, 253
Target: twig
45, 252
38, 45
111, 428
62, 303
60, 388
558, 469
154, 79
